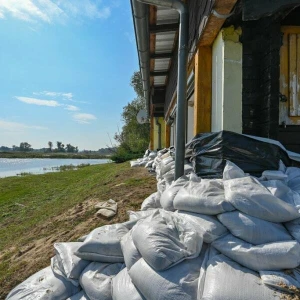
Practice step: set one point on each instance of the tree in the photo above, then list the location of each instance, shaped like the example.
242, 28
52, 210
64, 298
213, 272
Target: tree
50, 144
71, 149
134, 137
24, 146
60, 147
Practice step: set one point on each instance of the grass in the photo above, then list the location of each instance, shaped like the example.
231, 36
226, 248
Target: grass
38, 210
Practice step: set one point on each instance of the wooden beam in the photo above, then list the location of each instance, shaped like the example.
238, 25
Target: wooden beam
203, 90
168, 135
159, 73
163, 28
161, 55
215, 24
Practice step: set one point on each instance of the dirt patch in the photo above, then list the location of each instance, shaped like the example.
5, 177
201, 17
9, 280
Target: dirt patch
129, 189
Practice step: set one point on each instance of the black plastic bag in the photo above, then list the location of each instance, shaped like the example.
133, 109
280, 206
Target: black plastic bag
211, 150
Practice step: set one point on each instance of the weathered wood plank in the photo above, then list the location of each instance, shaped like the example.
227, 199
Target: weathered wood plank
203, 90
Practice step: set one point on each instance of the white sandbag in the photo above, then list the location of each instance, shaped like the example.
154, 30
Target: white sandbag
274, 175
151, 202
149, 164
203, 196
179, 282
253, 230
281, 280
252, 198
232, 171
293, 180
166, 165
169, 176
130, 252
293, 228
272, 256
167, 197
137, 215
162, 184
135, 163
207, 226
227, 280
280, 190
103, 244
44, 285
80, 296
123, 288
165, 239
96, 280
69, 264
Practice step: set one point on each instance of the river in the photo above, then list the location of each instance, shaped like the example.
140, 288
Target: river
15, 166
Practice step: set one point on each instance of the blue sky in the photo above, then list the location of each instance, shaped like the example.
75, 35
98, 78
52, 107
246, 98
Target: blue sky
65, 70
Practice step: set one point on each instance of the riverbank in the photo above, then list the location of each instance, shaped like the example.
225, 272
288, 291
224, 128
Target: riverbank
39, 210
17, 154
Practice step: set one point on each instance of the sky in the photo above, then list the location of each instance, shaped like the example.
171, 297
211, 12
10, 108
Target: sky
65, 69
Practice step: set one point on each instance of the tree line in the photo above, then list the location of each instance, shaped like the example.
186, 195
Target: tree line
26, 147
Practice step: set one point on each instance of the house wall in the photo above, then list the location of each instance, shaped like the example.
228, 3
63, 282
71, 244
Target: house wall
156, 133
227, 81
261, 57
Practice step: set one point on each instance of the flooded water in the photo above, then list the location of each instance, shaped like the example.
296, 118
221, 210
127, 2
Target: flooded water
15, 166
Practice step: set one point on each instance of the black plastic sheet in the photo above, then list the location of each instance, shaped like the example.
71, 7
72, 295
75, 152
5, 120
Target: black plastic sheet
211, 150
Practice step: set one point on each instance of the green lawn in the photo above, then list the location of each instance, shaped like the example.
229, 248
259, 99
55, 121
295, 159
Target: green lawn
40, 209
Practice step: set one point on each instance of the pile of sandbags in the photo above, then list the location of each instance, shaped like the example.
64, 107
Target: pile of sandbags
230, 238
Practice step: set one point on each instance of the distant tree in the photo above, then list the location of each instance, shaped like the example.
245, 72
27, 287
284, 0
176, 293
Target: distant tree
60, 147
50, 144
24, 146
71, 149
15, 148
134, 137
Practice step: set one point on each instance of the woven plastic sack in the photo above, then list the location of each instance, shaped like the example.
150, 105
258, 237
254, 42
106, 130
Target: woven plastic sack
285, 281
167, 197
203, 196
252, 198
96, 280
137, 215
280, 190
135, 163
232, 171
293, 228
103, 244
70, 265
44, 285
80, 296
130, 252
293, 178
151, 202
123, 288
207, 226
227, 280
272, 256
179, 282
254, 230
165, 239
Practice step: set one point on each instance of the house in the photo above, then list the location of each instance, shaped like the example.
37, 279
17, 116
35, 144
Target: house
243, 68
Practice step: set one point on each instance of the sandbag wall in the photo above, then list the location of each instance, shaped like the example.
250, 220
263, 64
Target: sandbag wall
231, 238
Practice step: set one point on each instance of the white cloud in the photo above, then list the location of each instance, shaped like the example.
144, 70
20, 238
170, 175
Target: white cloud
67, 96
54, 10
83, 118
51, 103
71, 108
14, 126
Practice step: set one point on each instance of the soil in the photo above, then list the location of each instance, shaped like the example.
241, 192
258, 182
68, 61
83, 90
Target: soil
36, 255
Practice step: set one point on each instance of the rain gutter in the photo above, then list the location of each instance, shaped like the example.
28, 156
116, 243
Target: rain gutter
142, 35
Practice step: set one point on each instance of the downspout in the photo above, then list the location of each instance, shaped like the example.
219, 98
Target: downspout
182, 9
159, 133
